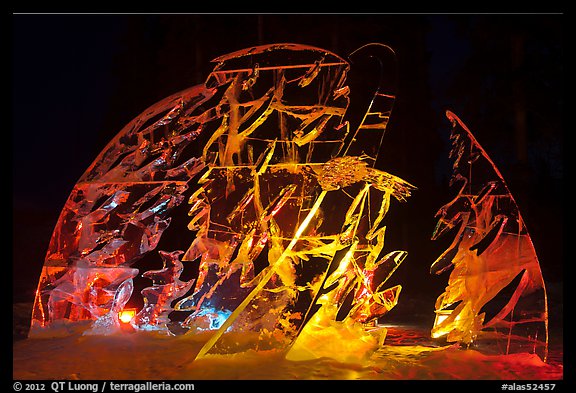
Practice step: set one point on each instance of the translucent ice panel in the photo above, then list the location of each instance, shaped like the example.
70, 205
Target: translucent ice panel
495, 294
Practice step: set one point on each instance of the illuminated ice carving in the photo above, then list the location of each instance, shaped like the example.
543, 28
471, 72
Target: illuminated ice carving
109, 323
495, 290
86, 292
167, 288
286, 206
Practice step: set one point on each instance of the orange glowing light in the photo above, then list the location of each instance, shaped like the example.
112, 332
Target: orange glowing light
491, 258
126, 315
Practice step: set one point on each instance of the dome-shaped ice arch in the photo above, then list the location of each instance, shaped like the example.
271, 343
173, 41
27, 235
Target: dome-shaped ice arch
268, 161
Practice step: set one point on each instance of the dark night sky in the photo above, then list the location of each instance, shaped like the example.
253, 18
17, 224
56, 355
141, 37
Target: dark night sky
78, 79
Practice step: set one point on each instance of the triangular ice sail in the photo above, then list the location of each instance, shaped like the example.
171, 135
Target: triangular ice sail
496, 294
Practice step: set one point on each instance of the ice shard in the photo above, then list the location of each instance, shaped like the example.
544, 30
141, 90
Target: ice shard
109, 323
167, 287
276, 167
496, 296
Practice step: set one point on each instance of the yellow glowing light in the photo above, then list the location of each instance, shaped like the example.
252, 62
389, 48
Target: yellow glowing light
441, 316
126, 315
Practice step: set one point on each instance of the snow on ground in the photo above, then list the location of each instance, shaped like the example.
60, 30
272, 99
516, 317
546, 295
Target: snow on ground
154, 356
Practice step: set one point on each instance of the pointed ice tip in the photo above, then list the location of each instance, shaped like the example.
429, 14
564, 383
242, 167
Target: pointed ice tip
451, 116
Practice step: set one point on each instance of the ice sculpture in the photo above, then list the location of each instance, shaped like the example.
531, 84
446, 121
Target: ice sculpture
286, 206
495, 293
86, 292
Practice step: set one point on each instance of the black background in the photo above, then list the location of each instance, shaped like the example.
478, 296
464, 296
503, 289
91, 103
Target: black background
77, 79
